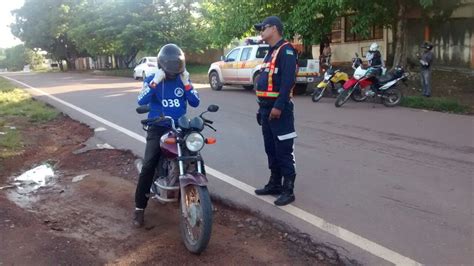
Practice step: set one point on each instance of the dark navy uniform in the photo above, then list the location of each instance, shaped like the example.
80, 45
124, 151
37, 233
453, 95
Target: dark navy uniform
274, 90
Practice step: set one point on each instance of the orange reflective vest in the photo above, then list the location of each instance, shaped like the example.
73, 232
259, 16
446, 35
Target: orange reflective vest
269, 93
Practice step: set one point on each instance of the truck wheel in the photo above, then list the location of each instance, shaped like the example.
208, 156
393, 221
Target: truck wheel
300, 89
214, 81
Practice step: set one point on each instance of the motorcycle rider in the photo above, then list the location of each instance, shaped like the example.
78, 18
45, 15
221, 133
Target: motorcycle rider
375, 61
167, 92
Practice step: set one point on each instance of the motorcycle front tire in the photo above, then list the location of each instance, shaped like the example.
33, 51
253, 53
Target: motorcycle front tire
342, 98
204, 210
317, 94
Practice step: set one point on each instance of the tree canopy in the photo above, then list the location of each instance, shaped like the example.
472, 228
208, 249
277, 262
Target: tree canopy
70, 28
15, 58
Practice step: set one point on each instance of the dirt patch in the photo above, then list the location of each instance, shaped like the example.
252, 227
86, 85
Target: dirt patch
88, 222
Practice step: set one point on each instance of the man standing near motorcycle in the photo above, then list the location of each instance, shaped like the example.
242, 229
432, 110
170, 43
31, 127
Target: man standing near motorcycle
275, 114
425, 63
167, 93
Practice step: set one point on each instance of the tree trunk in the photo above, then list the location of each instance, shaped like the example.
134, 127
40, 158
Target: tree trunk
70, 64
400, 57
129, 58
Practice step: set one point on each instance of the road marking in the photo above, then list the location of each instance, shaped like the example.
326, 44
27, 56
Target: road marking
337, 231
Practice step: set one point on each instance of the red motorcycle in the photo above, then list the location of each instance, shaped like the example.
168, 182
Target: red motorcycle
359, 86
181, 177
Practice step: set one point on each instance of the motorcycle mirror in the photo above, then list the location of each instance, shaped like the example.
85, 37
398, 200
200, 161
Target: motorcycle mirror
357, 55
212, 108
143, 109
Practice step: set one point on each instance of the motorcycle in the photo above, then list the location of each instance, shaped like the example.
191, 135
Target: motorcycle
358, 87
181, 177
332, 78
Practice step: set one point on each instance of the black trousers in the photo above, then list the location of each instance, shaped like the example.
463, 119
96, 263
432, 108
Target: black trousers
278, 142
150, 162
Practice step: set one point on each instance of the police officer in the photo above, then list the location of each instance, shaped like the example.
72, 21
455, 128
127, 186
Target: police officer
426, 60
167, 93
275, 113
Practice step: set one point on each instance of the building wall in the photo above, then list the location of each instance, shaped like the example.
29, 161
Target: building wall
345, 51
453, 41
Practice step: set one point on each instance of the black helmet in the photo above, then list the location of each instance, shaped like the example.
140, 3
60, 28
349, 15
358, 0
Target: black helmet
171, 60
427, 45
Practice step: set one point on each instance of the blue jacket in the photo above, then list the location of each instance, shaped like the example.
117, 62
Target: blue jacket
284, 78
169, 98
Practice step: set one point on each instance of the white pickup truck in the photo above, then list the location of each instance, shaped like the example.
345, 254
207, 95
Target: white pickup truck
240, 67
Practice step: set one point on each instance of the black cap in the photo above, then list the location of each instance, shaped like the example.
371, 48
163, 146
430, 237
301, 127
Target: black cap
273, 20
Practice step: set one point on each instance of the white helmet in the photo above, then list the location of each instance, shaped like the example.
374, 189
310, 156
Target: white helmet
374, 47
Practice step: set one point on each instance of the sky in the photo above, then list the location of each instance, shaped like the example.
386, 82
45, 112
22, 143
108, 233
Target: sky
7, 40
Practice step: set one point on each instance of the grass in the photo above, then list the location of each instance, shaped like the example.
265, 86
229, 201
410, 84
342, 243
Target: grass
17, 103
440, 104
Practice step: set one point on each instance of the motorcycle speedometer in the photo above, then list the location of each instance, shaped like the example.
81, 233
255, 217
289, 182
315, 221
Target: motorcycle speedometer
194, 142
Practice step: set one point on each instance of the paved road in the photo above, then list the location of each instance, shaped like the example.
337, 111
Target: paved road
396, 178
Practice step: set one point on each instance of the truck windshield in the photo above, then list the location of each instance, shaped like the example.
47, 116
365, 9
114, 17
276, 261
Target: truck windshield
262, 52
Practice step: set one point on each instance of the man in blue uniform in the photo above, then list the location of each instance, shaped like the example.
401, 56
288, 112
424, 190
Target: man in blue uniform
167, 93
275, 113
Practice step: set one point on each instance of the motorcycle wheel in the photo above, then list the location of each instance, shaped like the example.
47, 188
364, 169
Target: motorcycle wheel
342, 98
197, 226
358, 95
392, 97
317, 94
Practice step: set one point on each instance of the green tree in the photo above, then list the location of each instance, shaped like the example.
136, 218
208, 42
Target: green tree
125, 27
44, 24
311, 20
17, 57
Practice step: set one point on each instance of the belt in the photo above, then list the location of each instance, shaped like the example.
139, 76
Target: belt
266, 103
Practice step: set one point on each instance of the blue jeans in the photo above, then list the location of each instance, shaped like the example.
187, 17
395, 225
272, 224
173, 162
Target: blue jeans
426, 82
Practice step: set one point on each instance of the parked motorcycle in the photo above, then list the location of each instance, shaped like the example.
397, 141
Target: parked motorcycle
181, 176
332, 78
359, 86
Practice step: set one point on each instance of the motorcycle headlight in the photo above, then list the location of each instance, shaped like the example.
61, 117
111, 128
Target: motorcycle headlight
327, 76
194, 142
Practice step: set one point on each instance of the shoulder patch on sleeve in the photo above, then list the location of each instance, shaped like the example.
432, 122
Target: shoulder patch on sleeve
290, 52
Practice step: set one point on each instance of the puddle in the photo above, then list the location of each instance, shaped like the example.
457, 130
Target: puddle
24, 188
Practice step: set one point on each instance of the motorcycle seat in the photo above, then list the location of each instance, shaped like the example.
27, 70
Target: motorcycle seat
386, 78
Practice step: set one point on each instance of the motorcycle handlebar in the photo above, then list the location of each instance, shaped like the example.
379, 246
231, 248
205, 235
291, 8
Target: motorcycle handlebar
148, 121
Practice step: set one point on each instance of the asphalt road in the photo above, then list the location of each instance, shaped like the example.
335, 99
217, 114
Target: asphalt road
396, 178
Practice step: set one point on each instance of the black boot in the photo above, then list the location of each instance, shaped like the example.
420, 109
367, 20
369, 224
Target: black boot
138, 218
287, 195
272, 188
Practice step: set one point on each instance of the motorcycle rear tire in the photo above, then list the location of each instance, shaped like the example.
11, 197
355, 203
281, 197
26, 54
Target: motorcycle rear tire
317, 94
342, 98
392, 97
198, 245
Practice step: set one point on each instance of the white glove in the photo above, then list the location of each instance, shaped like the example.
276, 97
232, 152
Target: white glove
159, 76
423, 62
185, 77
